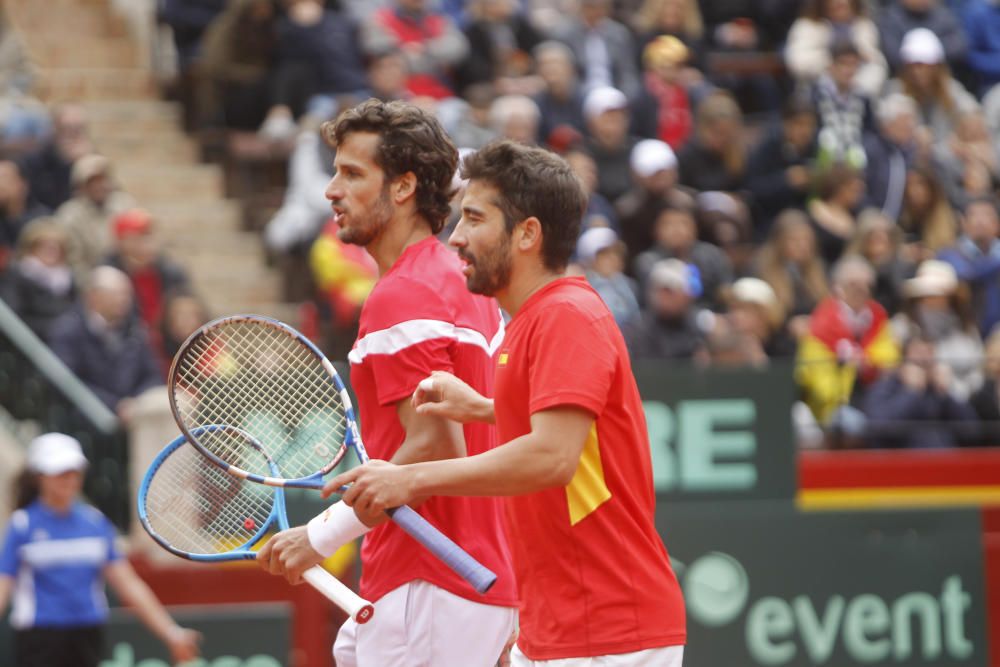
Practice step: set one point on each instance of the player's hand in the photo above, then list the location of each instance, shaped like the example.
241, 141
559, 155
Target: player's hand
444, 395
373, 487
183, 644
289, 554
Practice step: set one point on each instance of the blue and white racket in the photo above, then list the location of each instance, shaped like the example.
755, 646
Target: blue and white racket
196, 511
268, 381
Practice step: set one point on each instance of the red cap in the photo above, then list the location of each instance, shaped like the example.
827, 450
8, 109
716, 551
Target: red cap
132, 221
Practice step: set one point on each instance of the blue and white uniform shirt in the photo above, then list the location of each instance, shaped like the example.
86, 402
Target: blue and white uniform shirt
57, 563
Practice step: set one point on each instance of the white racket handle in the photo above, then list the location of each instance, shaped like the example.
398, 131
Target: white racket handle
356, 607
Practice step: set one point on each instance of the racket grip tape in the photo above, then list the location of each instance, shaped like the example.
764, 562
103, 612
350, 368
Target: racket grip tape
356, 607
479, 576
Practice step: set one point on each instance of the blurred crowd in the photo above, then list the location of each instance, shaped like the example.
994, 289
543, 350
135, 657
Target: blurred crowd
810, 181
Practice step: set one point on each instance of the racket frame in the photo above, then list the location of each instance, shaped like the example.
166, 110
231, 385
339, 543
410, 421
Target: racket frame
336, 591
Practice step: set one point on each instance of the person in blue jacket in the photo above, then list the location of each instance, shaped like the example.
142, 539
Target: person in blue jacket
56, 556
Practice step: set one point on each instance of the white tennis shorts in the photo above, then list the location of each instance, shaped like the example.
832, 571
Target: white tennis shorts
421, 625
668, 656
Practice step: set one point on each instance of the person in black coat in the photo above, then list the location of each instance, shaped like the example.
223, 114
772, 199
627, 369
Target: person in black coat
986, 400
779, 170
104, 344
912, 407
39, 285
503, 41
48, 170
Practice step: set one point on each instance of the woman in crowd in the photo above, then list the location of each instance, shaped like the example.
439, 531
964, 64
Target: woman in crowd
879, 240
927, 219
789, 263
926, 78
40, 286
839, 192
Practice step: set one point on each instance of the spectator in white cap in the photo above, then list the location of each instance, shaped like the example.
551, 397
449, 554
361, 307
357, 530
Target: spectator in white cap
925, 76
754, 310
672, 327
901, 16
57, 554
606, 113
937, 308
602, 257
654, 174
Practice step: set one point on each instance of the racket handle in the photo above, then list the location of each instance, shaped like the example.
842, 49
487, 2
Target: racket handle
356, 607
439, 544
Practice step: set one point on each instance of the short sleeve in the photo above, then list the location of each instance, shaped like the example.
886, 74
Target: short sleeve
573, 359
111, 535
410, 332
17, 531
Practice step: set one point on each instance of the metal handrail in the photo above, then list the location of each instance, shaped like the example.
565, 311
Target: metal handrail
49, 365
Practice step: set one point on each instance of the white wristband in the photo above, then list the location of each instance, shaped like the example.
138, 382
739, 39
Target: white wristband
334, 528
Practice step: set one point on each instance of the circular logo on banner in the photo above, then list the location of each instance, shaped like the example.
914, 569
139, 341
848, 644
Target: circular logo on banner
716, 587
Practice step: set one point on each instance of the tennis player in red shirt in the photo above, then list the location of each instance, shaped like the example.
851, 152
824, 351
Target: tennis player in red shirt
594, 577
391, 194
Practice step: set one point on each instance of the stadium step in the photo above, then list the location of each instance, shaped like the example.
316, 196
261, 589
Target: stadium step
152, 183
83, 84
186, 216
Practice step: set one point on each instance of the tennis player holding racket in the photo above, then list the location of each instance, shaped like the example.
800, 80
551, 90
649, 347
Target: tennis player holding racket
390, 193
594, 578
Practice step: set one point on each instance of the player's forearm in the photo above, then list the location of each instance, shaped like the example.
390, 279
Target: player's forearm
518, 467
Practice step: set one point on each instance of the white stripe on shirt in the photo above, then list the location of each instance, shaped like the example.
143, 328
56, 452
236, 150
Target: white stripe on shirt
77, 551
412, 332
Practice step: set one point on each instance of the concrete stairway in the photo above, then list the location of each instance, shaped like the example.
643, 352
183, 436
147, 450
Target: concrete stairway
84, 53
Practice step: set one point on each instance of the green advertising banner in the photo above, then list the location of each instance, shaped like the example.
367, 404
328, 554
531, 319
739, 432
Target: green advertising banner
719, 434
768, 586
246, 635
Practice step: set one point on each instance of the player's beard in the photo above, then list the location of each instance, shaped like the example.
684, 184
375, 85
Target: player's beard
377, 220
490, 271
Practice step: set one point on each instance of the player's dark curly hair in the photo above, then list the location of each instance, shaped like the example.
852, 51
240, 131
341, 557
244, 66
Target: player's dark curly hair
533, 182
411, 140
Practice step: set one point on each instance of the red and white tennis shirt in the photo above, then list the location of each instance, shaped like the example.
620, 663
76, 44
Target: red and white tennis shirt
421, 318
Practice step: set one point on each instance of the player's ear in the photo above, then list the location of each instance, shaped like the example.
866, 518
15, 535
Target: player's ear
404, 187
529, 235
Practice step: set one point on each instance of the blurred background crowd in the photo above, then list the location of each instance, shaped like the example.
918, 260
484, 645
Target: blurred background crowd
809, 182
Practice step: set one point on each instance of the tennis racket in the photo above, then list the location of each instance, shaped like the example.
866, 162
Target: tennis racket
197, 511
267, 380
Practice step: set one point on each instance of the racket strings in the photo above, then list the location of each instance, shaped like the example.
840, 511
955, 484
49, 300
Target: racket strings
198, 508
268, 384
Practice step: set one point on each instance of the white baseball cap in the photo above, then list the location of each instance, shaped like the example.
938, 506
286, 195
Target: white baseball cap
604, 98
934, 278
54, 454
920, 45
593, 241
651, 156
671, 273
